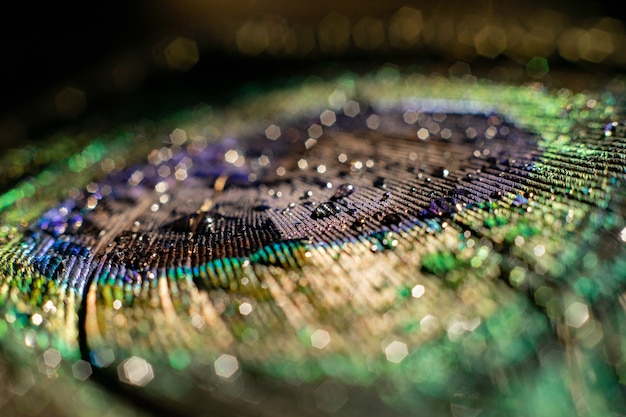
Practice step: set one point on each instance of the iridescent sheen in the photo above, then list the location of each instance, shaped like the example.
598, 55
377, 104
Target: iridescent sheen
428, 244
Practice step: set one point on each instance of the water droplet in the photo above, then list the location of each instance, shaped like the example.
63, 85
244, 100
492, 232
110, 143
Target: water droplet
496, 195
441, 172
324, 210
322, 183
307, 194
358, 224
379, 182
610, 128
343, 190
391, 219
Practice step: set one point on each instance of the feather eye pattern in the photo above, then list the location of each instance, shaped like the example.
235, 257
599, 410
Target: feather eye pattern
394, 243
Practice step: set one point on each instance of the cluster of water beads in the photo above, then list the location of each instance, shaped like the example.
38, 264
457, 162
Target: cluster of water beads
313, 200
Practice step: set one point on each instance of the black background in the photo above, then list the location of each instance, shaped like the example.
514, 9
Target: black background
45, 46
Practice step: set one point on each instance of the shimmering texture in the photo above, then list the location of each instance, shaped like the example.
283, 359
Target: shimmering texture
460, 247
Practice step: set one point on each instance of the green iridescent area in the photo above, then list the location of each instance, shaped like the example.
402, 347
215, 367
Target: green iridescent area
511, 307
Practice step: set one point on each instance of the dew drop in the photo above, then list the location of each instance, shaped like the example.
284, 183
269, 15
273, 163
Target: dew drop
358, 224
610, 128
441, 172
391, 219
380, 182
491, 160
343, 191
323, 184
324, 210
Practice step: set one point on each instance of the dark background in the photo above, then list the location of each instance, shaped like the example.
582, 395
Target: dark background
91, 65
67, 63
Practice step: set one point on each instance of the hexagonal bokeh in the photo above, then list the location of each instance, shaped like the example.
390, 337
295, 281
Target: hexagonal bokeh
226, 366
135, 371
